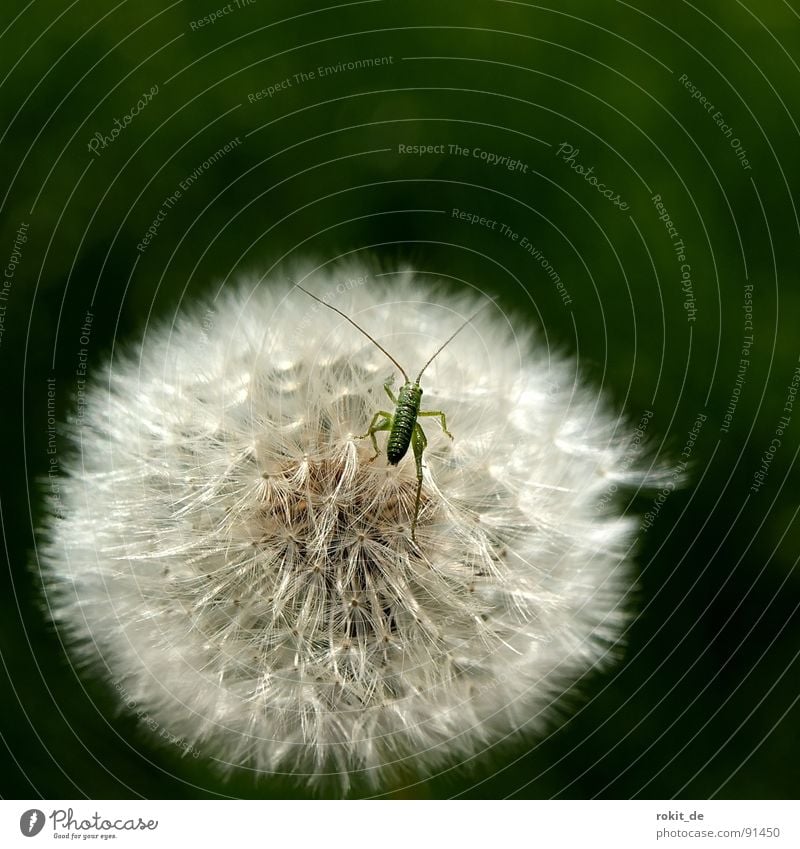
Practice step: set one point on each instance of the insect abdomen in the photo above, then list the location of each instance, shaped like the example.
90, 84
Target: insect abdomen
405, 417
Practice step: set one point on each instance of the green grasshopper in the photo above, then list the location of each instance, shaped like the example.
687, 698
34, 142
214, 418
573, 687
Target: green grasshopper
403, 427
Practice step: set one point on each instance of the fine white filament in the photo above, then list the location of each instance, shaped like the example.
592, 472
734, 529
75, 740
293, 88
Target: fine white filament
231, 555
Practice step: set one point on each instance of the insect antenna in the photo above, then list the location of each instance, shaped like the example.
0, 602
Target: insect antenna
344, 315
448, 341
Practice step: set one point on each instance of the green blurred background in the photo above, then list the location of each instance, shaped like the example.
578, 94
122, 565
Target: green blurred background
705, 702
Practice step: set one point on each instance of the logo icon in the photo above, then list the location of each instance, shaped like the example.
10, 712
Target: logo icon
31, 822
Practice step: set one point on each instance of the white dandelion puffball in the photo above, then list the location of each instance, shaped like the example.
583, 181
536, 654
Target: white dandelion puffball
229, 553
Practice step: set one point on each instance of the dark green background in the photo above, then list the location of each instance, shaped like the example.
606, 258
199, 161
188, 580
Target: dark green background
705, 702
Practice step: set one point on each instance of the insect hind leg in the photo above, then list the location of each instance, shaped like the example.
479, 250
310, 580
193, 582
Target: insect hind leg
388, 388
418, 443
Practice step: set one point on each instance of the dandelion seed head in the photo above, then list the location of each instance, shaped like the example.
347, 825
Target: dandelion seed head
227, 549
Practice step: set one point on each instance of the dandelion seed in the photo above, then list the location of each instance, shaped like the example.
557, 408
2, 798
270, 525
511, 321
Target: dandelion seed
229, 554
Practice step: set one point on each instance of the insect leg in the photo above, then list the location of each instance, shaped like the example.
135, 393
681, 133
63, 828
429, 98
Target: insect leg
386, 424
388, 387
441, 416
418, 443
